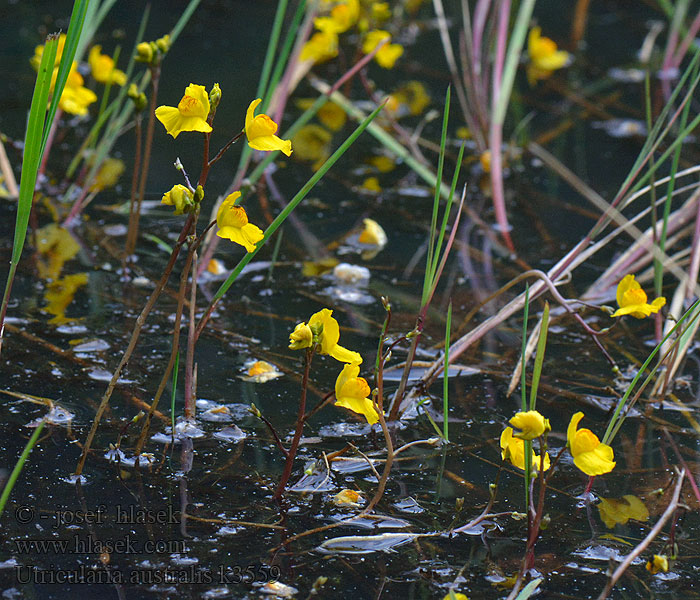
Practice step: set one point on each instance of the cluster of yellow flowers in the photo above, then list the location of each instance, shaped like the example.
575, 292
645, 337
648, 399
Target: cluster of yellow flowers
76, 98
194, 112
342, 15
322, 332
589, 454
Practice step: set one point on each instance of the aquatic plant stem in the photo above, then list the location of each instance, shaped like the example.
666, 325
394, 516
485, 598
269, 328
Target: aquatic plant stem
138, 126
190, 400
134, 227
289, 463
138, 326
174, 354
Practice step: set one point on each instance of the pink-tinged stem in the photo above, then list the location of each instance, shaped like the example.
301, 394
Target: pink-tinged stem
289, 463
687, 40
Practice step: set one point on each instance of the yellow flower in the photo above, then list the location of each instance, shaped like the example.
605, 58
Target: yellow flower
409, 99
615, 511
352, 392
381, 11
108, 174
329, 337
260, 371
513, 449
382, 163
342, 17
302, 337
590, 455
371, 184
322, 46
633, 300
658, 563
180, 197
372, 234
387, 54
75, 97
456, 596
544, 56
102, 66
531, 424
330, 114
260, 131
312, 143
233, 224
191, 113
349, 498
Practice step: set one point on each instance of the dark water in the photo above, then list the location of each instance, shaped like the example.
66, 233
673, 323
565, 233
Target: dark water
200, 522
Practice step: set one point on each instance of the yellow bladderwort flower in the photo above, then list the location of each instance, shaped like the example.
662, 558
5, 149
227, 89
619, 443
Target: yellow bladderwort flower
632, 299
349, 498
342, 17
322, 46
180, 197
102, 67
191, 112
260, 131
545, 58
373, 234
658, 563
75, 98
531, 425
513, 450
387, 54
233, 224
302, 337
456, 596
381, 11
108, 174
614, 511
352, 392
323, 322
408, 99
330, 114
590, 455
312, 143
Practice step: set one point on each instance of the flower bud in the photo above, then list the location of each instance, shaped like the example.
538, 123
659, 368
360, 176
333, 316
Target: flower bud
301, 337
214, 97
163, 44
198, 194
144, 52
180, 197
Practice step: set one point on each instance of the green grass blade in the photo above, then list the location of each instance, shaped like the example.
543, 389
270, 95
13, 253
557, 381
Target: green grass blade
427, 280
539, 357
19, 465
293, 203
30, 165
445, 375
523, 351
182, 21
445, 218
75, 29
273, 40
